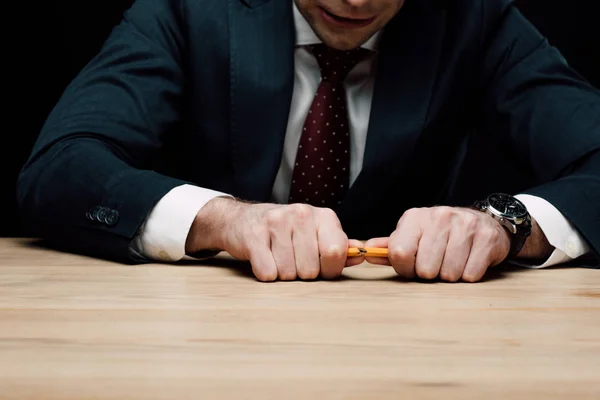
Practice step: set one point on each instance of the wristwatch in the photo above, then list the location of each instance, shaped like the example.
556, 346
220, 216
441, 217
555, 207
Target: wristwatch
511, 214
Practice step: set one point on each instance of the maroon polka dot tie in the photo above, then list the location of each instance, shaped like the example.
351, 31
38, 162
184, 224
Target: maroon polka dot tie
322, 170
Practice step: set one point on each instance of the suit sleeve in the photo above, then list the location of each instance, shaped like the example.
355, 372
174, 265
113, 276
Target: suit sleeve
548, 115
88, 184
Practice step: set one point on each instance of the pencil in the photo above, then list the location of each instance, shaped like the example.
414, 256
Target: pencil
367, 252
354, 252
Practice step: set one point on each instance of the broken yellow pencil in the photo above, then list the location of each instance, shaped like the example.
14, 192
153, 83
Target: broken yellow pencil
367, 252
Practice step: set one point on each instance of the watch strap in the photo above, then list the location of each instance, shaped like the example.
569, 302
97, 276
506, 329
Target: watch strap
518, 239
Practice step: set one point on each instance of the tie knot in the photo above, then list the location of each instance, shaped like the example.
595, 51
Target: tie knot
336, 64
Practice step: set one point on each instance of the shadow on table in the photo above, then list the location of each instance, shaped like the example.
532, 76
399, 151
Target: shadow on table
502, 271
244, 269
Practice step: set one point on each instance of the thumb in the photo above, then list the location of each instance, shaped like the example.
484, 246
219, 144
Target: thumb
352, 261
380, 243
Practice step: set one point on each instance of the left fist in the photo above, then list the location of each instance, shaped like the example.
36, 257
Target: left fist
446, 242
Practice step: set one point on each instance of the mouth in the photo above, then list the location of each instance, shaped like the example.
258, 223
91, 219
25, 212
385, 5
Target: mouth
343, 22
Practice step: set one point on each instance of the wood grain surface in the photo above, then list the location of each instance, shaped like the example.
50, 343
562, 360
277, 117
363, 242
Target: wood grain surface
73, 327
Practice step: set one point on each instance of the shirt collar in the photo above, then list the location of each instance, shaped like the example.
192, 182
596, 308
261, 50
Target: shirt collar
305, 35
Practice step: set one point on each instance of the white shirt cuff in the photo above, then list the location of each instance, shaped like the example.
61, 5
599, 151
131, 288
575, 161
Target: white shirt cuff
163, 235
567, 241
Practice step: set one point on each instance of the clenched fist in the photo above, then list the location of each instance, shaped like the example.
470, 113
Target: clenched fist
284, 242
446, 242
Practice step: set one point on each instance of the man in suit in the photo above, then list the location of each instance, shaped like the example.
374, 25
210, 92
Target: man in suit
277, 129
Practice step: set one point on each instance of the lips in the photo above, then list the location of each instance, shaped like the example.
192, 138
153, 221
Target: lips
344, 22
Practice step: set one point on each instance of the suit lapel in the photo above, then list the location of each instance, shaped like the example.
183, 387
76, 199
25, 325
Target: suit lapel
262, 38
410, 49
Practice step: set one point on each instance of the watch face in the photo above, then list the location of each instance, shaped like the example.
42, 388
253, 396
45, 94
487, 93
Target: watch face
507, 205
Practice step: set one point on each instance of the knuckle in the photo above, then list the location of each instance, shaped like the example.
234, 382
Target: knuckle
443, 214
470, 277
274, 217
470, 222
405, 273
404, 269
328, 214
308, 273
301, 212
399, 255
287, 274
426, 273
262, 272
265, 275
449, 275
330, 275
334, 251
411, 213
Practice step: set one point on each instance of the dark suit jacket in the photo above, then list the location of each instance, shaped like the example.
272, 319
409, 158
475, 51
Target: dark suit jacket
198, 91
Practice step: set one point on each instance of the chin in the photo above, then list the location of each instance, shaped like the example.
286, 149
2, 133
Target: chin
340, 42
344, 45
337, 46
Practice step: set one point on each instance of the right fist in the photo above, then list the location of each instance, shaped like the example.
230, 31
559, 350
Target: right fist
285, 242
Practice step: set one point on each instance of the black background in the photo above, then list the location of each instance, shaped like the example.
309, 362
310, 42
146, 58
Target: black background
47, 43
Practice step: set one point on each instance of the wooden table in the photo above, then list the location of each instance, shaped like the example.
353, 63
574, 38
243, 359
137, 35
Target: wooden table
72, 327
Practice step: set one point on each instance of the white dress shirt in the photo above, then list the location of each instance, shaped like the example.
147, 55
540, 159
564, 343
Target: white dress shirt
163, 235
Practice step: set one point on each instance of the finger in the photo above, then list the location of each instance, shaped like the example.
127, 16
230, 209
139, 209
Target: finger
404, 243
483, 254
333, 244
283, 254
355, 243
456, 255
306, 249
263, 264
432, 248
352, 261
381, 243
